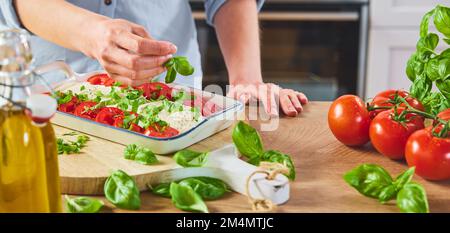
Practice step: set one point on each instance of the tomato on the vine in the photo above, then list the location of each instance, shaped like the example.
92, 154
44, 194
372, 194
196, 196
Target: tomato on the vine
86, 110
349, 120
107, 115
387, 99
444, 115
390, 130
429, 154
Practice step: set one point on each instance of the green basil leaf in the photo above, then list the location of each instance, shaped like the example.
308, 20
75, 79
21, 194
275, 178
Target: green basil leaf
444, 87
190, 158
412, 199
425, 23
140, 154
442, 20
247, 140
183, 67
170, 63
432, 69
387, 193
171, 74
427, 44
404, 178
444, 68
208, 188
369, 179
278, 157
162, 189
421, 88
83, 205
121, 190
436, 103
414, 67
185, 198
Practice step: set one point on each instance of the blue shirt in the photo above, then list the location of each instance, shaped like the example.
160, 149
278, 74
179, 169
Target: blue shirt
169, 20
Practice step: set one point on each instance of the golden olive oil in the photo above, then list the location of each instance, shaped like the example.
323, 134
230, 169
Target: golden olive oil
29, 180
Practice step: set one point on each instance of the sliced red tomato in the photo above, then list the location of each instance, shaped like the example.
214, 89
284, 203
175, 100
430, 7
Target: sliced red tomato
429, 154
161, 132
99, 79
70, 106
107, 115
349, 120
118, 122
385, 99
85, 110
389, 136
155, 89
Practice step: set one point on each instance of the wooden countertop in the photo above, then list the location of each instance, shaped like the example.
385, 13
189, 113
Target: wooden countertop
320, 162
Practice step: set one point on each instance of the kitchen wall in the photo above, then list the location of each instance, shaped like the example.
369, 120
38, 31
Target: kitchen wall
394, 31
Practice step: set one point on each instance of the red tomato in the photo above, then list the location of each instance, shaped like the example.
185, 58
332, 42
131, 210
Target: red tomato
118, 122
349, 120
70, 106
107, 115
161, 132
99, 79
444, 115
383, 100
109, 82
155, 89
389, 136
429, 154
82, 110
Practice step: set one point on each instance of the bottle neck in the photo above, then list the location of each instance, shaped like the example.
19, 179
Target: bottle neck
14, 88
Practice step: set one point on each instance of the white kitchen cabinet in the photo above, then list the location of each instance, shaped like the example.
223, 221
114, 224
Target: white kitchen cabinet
394, 31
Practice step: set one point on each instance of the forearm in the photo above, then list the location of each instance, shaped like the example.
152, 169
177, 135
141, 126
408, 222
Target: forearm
238, 33
57, 21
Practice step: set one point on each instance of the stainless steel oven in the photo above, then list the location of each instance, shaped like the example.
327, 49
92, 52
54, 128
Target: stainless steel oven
314, 46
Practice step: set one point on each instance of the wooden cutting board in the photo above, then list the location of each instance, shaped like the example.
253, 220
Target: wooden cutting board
86, 173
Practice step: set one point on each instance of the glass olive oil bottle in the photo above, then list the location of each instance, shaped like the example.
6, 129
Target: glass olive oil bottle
29, 177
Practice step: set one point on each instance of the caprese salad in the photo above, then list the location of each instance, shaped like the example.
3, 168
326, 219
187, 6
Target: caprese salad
153, 109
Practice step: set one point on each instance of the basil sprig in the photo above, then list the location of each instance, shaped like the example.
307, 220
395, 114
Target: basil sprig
65, 146
426, 68
121, 190
178, 65
83, 205
140, 154
375, 182
249, 144
190, 158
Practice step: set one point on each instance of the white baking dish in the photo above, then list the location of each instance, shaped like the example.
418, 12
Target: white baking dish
231, 110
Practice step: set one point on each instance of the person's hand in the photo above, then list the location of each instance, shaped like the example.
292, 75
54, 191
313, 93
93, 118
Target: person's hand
127, 52
269, 94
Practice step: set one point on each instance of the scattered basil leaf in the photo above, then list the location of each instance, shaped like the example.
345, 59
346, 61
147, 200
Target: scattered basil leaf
140, 154
185, 198
208, 188
65, 146
190, 158
247, 140
369, 179
387, 193
412, 199
83, 205
162, 189
278, 157
121, 190
404, 178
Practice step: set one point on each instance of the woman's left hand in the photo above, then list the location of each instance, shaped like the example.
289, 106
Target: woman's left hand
271, 95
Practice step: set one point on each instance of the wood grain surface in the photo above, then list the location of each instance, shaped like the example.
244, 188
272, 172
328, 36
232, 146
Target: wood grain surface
320, 162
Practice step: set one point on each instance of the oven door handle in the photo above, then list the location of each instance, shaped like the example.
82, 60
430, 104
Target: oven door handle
297, 16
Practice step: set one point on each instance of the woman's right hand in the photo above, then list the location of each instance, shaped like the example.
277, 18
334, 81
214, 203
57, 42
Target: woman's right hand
127, 51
